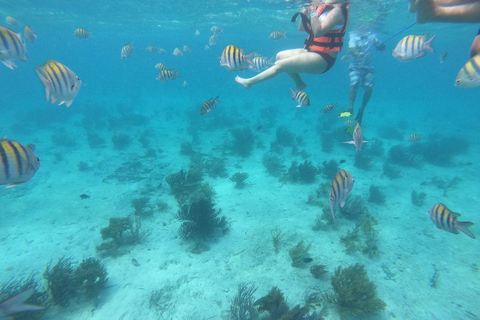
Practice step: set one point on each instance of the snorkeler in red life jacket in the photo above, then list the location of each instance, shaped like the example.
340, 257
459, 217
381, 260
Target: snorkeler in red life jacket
328, 21
332, 41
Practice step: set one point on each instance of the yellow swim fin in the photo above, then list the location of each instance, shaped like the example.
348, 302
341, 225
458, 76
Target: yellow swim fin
345, 114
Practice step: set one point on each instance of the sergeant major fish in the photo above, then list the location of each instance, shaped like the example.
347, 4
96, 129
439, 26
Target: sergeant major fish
445, 219
11, 21
233, 59
177, 52
18, 164
300, 97
260, 63
11, 47
81, 33
342, 184
166, 75
29, 35
357, 138
469, 75
276, 35
208, 106
412, 47
127, 50
61, 83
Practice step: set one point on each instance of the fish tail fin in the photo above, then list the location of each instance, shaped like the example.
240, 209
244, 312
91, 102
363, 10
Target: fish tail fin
333, 215
428, 43
463, 226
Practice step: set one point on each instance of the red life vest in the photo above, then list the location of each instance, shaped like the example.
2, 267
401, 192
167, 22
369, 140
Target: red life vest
332, 41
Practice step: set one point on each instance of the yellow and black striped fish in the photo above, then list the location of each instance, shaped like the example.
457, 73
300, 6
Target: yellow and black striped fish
329, 107
18, 164
29, 34
167, 75
469, 75
208, 106
233, 59
342, 184
300, 97
275, 35
414, 137
412, 47
11, 21
445, 219
151, 49
260, 63
160, 66
82, 33
127, 50
11, 47
61, 84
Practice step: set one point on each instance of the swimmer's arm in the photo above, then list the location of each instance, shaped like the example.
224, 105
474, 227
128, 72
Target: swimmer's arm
334, 17
461, 13
446, 10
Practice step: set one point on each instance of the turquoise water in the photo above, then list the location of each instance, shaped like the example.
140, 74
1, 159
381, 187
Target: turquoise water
45, 218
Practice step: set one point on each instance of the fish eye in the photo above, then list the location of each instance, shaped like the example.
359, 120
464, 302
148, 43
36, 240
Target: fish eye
38, 159
71, 88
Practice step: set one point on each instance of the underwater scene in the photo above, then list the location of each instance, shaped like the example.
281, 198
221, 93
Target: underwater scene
178, 160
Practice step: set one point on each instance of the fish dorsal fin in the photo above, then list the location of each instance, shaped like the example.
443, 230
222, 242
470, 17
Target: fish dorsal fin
455, 214
32, 146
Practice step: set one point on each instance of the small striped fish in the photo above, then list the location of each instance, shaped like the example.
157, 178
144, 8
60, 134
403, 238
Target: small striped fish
414, 137
127, 50
412, 47
61, 84
329, 107
216, 29
208, 106
233, 59
260, 63
81, 33
276, 35
469, 75
160, 66
11, 47
29, 34
213, 40
161, 50
445, 219
350, 122
18, 164
300, 97
167, 75
357, 138
11, 21
342, 184
177, 52
186, 49
151, 49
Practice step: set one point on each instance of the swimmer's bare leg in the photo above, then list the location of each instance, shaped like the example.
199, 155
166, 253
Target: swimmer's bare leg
299, 84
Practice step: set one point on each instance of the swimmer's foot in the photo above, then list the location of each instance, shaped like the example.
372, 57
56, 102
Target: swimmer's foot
301, 85
243, 82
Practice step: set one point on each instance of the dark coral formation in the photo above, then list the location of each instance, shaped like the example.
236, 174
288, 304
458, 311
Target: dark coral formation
243, 142
242, 306
61, 281
376, 195
304, 172
329, 169
120, 232
355, 294
404, 157
239, 179
418, 198
284, 137
200, 220
273, 163
91, 277
363, 238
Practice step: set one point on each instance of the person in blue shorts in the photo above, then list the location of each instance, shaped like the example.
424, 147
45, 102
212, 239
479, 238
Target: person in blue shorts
361, 45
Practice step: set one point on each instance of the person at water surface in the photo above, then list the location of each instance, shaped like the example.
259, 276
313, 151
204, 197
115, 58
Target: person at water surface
326, 23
